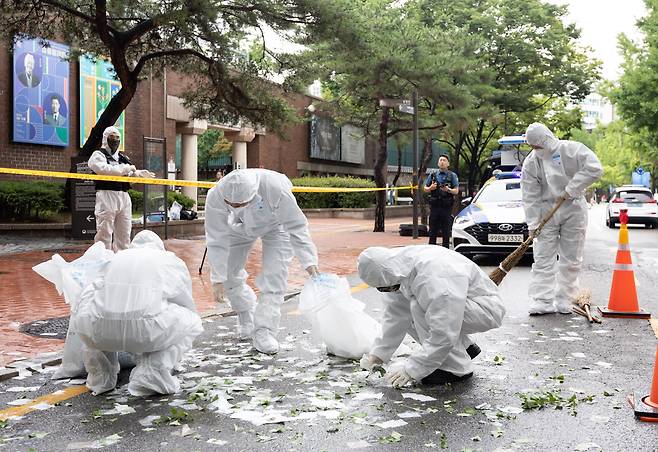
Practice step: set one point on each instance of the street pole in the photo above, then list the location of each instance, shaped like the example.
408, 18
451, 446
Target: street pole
414, 177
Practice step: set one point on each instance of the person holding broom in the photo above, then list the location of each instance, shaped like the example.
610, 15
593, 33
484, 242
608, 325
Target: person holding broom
554, 170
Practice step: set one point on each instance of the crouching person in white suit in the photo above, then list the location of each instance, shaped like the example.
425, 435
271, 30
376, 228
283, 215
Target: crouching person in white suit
141, 304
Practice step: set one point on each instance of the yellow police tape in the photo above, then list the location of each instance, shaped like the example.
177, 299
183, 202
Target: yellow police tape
180, 183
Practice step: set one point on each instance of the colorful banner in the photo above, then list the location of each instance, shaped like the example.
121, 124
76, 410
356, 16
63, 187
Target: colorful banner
41, 93
97, 86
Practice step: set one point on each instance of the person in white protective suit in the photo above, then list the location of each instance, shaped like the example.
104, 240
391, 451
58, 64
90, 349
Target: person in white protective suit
141, 304
556, 169
245, 205
439, 298
113, 210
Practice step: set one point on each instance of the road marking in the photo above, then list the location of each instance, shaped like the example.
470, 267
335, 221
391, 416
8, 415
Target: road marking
50, 399
354, 289
654, 325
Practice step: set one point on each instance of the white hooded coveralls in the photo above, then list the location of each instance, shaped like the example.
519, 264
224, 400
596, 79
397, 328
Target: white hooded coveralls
443, 298
561, 166
113, 209
142, 304
272, 214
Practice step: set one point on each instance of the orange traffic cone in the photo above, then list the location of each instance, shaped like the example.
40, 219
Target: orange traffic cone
623, 295
646, 407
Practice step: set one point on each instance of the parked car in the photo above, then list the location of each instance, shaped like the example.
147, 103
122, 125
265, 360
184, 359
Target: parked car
493, 222
640, 203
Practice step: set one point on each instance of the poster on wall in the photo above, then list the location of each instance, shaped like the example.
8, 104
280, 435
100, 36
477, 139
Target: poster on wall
97, 86
352, 144
325, 138
41, 93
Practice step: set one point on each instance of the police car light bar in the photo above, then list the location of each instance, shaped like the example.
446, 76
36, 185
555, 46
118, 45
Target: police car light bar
514, 139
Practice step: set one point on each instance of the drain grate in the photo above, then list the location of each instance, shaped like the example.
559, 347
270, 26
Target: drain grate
54, 328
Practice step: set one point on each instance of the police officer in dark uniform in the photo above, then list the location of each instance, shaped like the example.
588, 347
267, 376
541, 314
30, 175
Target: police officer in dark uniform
442, 185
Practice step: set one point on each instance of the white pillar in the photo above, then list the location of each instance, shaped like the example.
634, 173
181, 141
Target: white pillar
239, 154
189, 163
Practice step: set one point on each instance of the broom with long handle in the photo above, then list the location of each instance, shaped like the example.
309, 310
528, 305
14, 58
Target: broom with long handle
510, 261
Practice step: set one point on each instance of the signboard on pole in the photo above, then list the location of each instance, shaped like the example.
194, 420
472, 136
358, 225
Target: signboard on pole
83, 202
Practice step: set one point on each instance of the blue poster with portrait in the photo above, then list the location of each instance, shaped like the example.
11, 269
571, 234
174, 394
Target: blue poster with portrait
41, 93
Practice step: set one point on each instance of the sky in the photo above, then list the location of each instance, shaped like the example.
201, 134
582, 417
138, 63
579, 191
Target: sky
600, 22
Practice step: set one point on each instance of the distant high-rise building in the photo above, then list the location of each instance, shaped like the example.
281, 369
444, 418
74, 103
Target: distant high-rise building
597, 108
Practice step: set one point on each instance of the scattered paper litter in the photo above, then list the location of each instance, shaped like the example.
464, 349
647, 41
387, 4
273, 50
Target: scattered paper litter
368, 395
582, 447
409, 414
604, 364
416, 396
97, 444
358, 444
600, 419
261, 418
217, 442
578, 355
195, 374
391, 424
511, 410
23, 389
19, 402
42, 406
148, 420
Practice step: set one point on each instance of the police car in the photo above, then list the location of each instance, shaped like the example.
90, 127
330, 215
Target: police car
494, 220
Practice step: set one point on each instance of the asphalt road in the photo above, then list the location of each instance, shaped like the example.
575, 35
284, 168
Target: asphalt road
577, 377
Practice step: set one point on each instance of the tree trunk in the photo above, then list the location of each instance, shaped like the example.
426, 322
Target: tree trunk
117, 105
422, 168
381, 162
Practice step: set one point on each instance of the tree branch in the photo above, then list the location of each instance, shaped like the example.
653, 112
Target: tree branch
441, 125
145, 58
68, 9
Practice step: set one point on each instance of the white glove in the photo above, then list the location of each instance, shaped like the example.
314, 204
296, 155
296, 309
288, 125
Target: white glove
218, 292
369, 361
566, 196
144, 173
399, 378
130, 170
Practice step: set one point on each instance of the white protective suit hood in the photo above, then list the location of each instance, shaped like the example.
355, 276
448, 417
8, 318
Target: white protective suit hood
106, 133
147, 239
382, 267
239, 186
538, 134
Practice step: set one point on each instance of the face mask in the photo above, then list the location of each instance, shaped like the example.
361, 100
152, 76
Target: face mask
113, 144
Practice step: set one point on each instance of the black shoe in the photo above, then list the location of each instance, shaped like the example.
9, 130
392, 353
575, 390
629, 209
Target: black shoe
473, 350
441, 377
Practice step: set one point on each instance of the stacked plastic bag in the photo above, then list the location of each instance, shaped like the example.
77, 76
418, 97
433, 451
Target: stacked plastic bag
337, 319
69, 278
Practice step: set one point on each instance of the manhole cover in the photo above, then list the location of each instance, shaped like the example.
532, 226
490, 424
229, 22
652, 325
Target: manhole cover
55, 328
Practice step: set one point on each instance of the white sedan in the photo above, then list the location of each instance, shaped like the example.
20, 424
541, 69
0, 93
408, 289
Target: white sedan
494, 222
638, 201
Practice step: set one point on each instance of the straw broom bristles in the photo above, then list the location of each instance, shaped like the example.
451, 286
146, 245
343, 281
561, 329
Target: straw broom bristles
510, 261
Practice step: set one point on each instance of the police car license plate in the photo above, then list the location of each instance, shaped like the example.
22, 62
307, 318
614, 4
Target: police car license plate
505, 238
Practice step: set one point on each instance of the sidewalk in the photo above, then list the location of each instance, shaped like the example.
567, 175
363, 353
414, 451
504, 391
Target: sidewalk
27, 297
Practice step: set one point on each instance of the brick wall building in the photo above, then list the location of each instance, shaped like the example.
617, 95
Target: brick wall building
156, 110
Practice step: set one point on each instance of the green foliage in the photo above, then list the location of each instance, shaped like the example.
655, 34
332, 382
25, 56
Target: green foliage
334, 200
545, 398
30, 200
620, 150
137, 200
525, 53
212, 144
203, 40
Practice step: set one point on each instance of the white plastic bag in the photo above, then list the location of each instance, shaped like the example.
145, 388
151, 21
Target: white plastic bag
69, 279
338, 319
174, 211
